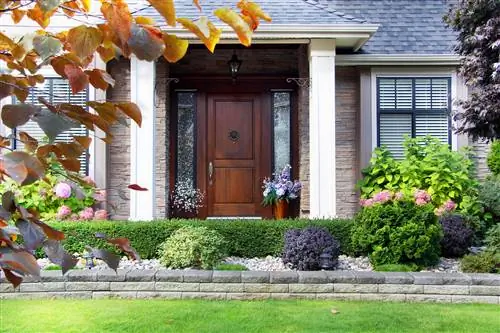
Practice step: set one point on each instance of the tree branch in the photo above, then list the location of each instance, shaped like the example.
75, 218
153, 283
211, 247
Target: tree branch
19, 6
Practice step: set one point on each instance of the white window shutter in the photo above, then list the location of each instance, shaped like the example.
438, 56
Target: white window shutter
435, 125
56, 91
393, 128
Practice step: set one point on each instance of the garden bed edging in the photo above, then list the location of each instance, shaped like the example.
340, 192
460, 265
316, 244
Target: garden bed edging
250, 285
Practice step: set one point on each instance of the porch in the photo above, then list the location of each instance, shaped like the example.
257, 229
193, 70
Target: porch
289, 104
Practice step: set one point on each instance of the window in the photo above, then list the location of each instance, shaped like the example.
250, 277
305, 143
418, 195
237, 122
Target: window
186, 125
281, 130
56, 91
412, 106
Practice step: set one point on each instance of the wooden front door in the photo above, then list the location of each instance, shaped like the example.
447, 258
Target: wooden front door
234, 155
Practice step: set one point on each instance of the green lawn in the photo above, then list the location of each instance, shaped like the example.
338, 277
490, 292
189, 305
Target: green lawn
96, 316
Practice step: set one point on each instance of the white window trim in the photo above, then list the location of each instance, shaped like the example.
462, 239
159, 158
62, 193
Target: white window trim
97, 150
378, 72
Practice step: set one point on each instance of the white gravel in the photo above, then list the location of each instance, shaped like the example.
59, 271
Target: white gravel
268, 263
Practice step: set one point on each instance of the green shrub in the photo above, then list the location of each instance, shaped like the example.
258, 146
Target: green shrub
489, 198
493, 159
245, 238
492, 240
428, 165
396, 268
398, 232
197, 247
52, 268
484, 262
230, 267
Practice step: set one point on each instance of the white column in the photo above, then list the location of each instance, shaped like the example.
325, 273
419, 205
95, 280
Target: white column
142, 140
322, 128
97, 150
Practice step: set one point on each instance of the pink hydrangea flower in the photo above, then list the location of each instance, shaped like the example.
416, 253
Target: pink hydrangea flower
447, 207
62, 190
63, 212
382, 197
439, 211
398, 196
101, 214
100, 195
366, 202
422, 197
86, 214
450, 205
74, 217
89, 181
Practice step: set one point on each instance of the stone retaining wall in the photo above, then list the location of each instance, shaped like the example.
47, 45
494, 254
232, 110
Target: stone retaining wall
229, 285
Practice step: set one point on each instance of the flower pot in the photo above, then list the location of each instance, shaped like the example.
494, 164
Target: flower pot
281, 209
182, 214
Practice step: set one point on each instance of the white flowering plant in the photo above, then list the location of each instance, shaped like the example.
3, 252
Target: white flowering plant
187, 198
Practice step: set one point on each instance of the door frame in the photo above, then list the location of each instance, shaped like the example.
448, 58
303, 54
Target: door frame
205, 85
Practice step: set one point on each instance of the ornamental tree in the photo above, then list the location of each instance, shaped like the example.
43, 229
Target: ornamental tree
109, 31
477, 23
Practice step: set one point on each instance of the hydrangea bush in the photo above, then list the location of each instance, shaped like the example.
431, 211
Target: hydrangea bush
427, 165
59, 198
398, 228
281, 187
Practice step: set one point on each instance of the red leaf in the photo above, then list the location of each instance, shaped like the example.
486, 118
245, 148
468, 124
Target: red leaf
19, 261
111, 259
57, 255
76, 77
136, 187
12, 278
49, 231
18, 114
122, 243
22, 167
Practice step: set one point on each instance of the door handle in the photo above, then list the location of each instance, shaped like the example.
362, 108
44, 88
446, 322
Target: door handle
210, 172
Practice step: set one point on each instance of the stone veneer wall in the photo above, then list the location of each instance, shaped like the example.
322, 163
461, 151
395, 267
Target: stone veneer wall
118, 151
347, 113
162, 135
303, 128
118, 177
481, 150
222, 285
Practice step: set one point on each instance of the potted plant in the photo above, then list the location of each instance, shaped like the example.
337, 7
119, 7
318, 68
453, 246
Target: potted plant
186, 200
279, 191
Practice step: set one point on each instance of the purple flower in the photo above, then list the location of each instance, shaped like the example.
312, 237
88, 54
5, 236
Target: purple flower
86, 214
62, 190
63, 212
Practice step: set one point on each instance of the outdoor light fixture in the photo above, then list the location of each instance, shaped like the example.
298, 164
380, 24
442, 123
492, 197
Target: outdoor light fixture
234, 66
326, 261
89, 260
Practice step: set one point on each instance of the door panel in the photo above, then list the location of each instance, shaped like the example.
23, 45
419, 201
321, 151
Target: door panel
233, 138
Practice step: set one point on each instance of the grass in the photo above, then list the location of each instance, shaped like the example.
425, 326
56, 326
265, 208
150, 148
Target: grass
230, 267
243, 316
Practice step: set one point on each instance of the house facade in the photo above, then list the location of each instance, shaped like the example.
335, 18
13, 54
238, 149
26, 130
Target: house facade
321, 86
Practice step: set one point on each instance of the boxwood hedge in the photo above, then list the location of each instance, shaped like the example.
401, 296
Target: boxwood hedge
246, 238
